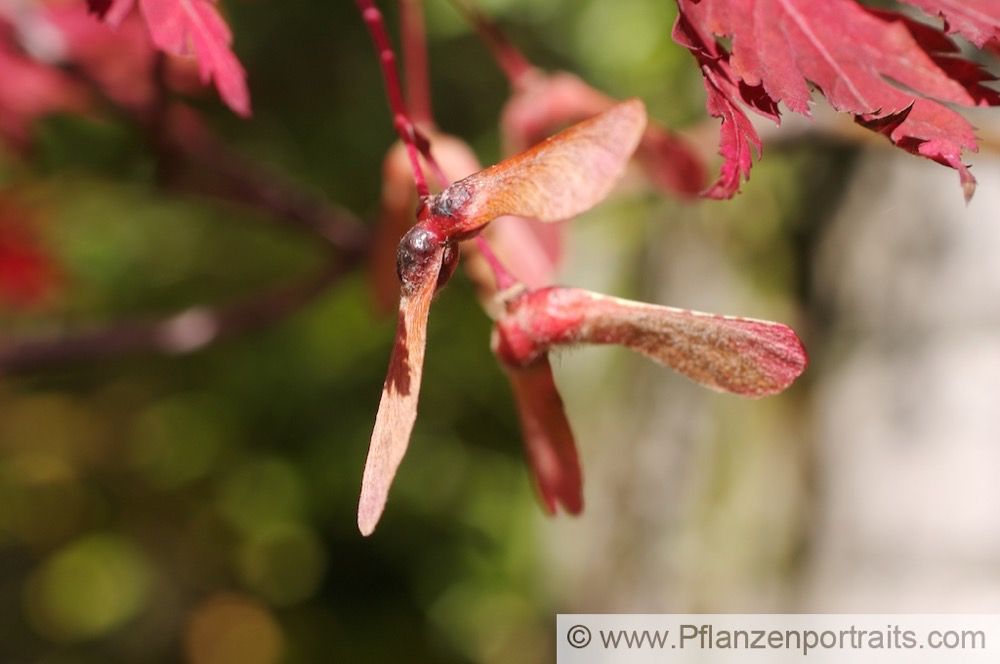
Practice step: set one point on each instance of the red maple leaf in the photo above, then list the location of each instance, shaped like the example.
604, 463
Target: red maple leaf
976, 20
868, 63
191, 27
724, 94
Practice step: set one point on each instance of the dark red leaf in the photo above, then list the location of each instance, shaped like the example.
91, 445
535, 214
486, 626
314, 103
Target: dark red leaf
884, 124
725, 93
860, 60
736, 139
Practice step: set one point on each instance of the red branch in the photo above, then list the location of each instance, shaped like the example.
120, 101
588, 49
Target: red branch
414, 38
510, 60
177, 334
401, 118
504, 279
418, 89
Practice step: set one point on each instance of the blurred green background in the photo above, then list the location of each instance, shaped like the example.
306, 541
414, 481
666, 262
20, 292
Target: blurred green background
202, 507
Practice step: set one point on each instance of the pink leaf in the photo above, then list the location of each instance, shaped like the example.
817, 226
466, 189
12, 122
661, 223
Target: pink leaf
542, 104
977, 20
847, 52
557, 179
397, 410
670, 162
548, 439
179, 27
120, 61
748, 357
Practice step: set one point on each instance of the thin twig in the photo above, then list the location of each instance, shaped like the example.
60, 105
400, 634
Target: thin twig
183, 145
401, 118
501, 275
236, 180
511, 61
414, 40
186, 148
177, 334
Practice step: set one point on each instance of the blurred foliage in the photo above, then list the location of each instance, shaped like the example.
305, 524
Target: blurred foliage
202, 508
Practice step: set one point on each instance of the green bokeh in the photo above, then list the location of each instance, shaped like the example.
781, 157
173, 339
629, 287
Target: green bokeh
134, 488
89, 588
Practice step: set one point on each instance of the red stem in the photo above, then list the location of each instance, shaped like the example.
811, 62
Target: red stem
418, 89
401, 119
510, 61
502, 276
418, 93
